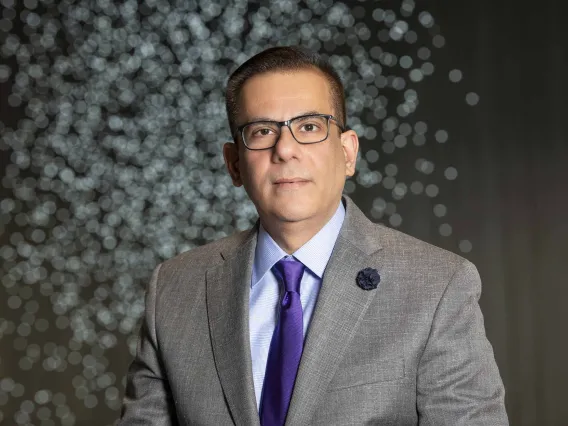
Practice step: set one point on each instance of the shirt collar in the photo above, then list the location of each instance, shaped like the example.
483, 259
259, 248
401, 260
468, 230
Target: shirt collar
314, 254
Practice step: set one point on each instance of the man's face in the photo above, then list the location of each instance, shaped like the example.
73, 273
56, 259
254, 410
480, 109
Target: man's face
292, 182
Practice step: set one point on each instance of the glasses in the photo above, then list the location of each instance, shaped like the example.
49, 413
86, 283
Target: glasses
306, 129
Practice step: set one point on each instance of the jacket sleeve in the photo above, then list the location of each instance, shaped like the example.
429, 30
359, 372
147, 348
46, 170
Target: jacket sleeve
458, 381
148, 400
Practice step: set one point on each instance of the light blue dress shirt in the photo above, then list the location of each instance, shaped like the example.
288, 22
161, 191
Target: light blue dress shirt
265, 290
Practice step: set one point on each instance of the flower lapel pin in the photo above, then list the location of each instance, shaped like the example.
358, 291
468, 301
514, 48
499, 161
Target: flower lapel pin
368, 278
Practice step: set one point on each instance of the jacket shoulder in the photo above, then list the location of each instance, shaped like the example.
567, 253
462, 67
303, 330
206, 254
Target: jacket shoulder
209, 254
411, 250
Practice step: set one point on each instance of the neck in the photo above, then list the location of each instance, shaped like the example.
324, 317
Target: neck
290, 236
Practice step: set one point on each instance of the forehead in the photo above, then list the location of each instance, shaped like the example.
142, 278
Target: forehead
281, 95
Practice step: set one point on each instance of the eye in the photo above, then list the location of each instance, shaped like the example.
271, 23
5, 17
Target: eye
260, 130
263, 132
309, 127
310, 124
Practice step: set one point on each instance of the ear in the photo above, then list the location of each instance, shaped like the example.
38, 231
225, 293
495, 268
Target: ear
350, 144
231, 156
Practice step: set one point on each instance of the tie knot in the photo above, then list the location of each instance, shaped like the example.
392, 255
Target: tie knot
289, 271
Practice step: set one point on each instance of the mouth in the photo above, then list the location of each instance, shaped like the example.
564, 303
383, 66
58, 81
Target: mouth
290, 183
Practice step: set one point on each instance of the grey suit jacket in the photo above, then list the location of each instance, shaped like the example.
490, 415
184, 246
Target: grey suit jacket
413, 351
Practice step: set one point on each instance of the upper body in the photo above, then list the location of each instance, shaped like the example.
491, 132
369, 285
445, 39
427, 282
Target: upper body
411, 351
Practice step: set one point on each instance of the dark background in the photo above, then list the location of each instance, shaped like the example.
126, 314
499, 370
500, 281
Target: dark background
513, 195
509, 203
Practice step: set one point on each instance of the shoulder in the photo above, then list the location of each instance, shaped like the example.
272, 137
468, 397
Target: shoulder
421, 264
206, 256
412, 248
394, 247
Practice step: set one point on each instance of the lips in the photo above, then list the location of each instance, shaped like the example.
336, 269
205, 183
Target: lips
290, 184
290, 180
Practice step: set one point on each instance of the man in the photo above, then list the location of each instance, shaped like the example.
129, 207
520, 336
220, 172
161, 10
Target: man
316, 316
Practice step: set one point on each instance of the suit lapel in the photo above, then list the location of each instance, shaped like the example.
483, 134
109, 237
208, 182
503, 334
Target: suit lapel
228, 289
341, 304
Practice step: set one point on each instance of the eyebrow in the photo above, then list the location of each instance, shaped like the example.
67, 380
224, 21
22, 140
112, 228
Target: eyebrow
264, 118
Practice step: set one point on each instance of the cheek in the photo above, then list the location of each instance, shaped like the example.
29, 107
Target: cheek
254, 174
334, 165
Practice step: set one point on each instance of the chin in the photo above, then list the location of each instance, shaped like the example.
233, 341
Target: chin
293, 212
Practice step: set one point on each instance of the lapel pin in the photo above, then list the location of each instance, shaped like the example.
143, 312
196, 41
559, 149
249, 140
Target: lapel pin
368, 278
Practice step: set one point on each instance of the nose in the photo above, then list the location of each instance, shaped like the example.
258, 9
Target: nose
286, 146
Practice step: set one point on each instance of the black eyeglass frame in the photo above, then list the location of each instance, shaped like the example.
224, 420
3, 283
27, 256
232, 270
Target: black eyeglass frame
240, 129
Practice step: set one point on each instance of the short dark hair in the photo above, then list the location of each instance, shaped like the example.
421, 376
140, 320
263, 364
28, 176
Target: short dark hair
283, 58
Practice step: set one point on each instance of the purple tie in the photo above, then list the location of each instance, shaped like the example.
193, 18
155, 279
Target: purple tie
285, 348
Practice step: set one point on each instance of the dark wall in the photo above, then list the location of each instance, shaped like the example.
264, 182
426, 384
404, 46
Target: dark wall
513, 197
